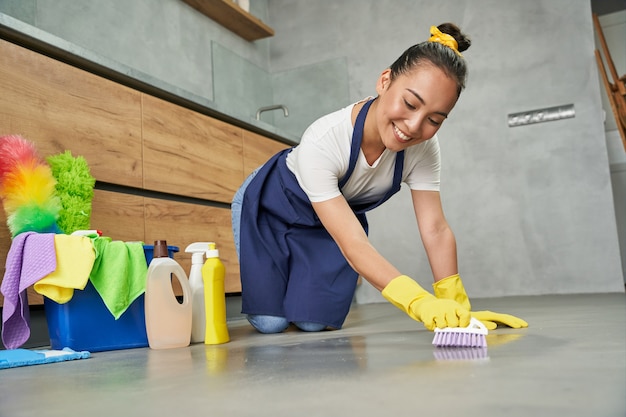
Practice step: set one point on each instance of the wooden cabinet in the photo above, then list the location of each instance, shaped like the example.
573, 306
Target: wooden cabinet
163, 171
118, 215
257, 150
59, 107
183, 223
188, 153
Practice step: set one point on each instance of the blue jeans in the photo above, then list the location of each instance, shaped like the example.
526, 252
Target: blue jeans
235, 209
263, 323
275, 324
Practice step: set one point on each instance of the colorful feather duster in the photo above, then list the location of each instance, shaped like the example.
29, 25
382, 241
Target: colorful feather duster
27, 188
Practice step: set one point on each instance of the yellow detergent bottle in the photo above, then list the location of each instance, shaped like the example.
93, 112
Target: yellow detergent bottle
168, 322
213, 273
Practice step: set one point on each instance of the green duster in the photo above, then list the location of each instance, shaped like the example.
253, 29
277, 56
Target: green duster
75, 190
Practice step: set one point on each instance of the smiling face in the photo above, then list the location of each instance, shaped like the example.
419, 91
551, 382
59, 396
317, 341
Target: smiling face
412, 107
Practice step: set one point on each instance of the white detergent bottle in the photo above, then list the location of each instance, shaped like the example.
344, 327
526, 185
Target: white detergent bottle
168, 322
196, 283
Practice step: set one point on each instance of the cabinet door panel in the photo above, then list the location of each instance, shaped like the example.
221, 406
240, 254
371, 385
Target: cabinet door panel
183, 223
60, 107
257, 150
119, 216
188, 153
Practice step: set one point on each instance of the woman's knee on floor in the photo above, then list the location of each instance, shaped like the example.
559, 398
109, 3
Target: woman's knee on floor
268, 324
309, 326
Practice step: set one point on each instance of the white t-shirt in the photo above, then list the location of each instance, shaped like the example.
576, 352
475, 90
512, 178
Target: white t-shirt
321, 159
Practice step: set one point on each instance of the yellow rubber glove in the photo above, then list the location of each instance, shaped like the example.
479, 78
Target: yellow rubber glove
491, 319
420, 305
451, 288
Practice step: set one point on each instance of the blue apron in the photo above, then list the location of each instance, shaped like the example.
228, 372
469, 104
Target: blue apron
290, 265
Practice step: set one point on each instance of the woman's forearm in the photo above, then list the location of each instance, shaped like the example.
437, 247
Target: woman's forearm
440, 248
370, 264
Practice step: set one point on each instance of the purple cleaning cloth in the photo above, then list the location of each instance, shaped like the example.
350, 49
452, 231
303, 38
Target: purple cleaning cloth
31, 257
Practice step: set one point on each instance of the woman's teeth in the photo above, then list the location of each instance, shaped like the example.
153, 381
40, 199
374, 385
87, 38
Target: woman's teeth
401, 135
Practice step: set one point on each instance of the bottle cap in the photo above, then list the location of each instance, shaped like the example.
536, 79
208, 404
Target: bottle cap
212, 252
160, 249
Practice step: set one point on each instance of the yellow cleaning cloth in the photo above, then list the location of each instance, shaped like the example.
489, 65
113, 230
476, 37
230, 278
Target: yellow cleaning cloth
75, 257
119, 273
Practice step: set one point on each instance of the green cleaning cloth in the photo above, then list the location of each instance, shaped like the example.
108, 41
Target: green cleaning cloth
119, 273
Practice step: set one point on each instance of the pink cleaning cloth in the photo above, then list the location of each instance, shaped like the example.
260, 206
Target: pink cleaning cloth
31, 257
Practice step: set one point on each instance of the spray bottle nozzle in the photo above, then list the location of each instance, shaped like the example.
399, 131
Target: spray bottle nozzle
197, 249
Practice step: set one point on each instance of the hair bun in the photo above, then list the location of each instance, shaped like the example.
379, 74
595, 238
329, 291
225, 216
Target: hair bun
462, 40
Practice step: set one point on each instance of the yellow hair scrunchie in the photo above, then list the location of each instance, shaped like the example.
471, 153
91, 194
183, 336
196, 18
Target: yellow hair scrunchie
443, 38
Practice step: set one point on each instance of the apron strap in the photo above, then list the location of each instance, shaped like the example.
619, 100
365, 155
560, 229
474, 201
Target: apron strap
357, 138
355, 150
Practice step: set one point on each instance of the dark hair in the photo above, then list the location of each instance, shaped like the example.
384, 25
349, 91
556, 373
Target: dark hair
437, 54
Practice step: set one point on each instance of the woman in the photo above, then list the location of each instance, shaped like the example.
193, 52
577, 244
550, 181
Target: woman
299, 220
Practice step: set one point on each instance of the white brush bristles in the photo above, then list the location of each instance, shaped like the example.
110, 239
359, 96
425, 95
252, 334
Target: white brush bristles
473, 335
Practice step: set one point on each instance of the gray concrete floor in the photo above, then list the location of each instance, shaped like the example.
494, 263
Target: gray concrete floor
571, 361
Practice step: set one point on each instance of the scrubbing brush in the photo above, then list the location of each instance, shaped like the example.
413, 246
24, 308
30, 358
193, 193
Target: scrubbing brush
474, 335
